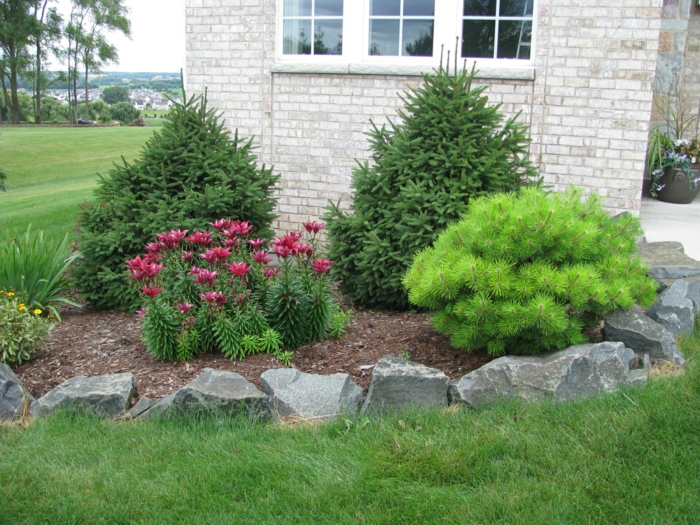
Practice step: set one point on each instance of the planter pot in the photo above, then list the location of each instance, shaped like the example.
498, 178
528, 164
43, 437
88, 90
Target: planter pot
676, 187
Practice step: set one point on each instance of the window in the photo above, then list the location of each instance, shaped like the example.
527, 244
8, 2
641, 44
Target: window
401, 27
312, 27
497, 29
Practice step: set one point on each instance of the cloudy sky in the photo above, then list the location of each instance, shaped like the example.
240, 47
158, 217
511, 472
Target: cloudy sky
157, 36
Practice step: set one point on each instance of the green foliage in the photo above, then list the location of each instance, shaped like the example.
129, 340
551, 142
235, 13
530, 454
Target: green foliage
449, 148
22, 329
288, 305
124, 112
190, 172
53, 111
35, 267
3, 178
160, 329
115, 94
524, 274
339, 321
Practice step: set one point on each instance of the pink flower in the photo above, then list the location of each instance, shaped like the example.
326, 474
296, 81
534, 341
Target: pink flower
143, 311
283, 251
215, 255
313, 227
135, 264
201, 238
217, 297
152, 291
305, 248
171, 239
187, 256
195, 270
155, 247
270, 272
219, 224
241, 228
257, 243
184, 307
321, 265
261, 257
141, 269
205, 276
239, 269
232, 243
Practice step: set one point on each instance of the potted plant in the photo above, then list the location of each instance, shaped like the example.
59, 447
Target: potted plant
671, 159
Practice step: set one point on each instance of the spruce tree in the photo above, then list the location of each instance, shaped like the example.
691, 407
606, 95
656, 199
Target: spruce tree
189, 173
449, 147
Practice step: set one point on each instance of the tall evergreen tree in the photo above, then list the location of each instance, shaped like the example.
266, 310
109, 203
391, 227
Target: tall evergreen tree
450, 146
17, 24
188, 174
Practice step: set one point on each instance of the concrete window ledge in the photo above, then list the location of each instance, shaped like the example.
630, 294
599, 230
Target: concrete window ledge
505, 72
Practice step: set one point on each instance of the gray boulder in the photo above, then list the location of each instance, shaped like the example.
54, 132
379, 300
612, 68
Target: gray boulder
143, 405
14, 398
397, 383
215, 392
694, 293
673, 310
579, 371
642, 334
106, 396
294, 393
666, 260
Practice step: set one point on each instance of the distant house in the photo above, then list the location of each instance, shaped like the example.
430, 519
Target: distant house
139, 103
305, 78
161, 104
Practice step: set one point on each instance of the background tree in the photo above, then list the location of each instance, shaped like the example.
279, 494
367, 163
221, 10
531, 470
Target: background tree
114, 94
52, 110
47, 31
17, 24
124, 112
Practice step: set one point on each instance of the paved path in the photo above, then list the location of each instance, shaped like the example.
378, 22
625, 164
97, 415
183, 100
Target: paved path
673, 222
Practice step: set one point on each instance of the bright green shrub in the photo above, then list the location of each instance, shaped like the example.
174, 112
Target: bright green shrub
524, 274
449, 148
35, 268
189, 173
22, 329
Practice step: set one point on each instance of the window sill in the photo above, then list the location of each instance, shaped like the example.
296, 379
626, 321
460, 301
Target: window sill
505, 72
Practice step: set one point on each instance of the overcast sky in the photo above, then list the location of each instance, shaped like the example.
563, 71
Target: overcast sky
157, 36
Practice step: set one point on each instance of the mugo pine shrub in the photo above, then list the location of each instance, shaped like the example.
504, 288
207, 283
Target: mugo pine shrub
449, 148
191, 172
213, 291
524, 274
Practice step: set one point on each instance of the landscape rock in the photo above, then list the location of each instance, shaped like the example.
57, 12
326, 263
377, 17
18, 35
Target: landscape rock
215, 392
106, 396
143, 405
397, 383
642, 334
673, 310
694, 293
14, 398
666, 260
294, 393
576, 372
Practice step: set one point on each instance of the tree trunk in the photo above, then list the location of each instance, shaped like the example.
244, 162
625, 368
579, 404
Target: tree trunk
37, 117
87, 103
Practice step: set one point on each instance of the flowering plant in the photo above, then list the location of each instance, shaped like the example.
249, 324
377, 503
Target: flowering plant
664, 152
22, 328
217, 290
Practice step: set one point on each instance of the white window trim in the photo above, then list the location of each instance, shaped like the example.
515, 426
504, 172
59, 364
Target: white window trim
357, 60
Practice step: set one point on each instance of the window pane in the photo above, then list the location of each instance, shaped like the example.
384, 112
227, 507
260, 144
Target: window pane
515, 7
385, 8
478, 38
418, 38
418, 7
297, 8
328, 37
329, 8
296, 37
479, 7
514, 39
384, 37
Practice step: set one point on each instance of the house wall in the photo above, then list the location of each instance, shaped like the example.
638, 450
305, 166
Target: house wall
588, 106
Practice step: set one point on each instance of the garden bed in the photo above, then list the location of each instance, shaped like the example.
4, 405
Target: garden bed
90, 343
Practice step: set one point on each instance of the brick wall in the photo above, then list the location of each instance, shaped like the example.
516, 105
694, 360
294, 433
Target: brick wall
588, 106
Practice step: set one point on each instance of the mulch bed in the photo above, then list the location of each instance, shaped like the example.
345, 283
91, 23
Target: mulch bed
89, 343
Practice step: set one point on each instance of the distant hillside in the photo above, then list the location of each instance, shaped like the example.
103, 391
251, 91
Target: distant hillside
155, 81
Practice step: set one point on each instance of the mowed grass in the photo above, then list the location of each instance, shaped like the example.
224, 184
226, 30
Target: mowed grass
51, 171
630, 457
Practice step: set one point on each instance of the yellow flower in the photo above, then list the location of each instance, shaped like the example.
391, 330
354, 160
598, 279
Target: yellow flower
37, 312
10, 294
22, 308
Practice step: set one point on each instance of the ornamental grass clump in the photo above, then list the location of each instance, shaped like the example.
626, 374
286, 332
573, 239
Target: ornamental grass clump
449, 147
22, 328
525, 274
216, 291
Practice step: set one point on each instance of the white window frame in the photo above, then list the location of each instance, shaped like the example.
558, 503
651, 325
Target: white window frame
497, 19
356, 58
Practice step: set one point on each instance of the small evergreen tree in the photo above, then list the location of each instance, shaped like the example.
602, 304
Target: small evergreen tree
525, 274
449, 148
189, 173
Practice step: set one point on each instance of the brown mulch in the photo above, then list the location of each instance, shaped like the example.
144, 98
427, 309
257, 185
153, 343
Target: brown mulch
89, 343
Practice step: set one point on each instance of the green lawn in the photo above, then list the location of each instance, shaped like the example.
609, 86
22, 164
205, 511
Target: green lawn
51, 171
631, 457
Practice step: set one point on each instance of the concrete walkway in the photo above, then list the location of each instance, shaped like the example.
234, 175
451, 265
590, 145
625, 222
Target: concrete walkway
673, 222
